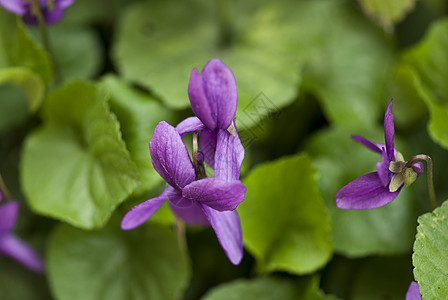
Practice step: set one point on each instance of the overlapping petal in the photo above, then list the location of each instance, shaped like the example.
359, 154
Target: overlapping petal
213, 94
189, 125
217, 194
143, 211
170, 156
368, 143
17, 7
15, 248
366, 192
389, 131
228, 157
207, 143
227, 227
190, 211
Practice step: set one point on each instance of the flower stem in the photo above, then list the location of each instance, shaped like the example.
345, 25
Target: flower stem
36, 11
198, 167
424, 157
4, 189
180, 230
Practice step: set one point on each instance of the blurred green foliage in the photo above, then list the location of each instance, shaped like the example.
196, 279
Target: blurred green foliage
74, 134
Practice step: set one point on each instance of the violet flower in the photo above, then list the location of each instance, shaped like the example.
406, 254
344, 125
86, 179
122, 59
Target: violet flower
10, 245
381, 187
208, 201
52, 10
213, 97
413, 292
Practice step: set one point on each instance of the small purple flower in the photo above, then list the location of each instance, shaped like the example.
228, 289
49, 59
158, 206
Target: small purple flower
207, 201
52, 10
381, 187
213, 97
413, 292
11, 245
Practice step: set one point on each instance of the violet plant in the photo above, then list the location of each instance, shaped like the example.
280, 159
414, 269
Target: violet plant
381, 187
195, 198
51, 11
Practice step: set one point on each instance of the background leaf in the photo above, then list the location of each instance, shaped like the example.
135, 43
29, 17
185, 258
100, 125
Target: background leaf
385, 13
145, 263
285, 223
429, 62
430, 256
268, 43
20, 50
268, 288
138, 115
87, 168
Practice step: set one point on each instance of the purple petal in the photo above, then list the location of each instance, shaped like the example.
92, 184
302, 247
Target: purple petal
15, 248
226, 225
413, 292
1, 196
382, 169
170, 156
213, 94
369, 144
217, 194
228, 157
418, 168
220, 89
199, 103
190, 211
188, 125
389, 132
17, 7
53, 16
364, 193
8, 216
63, 4
143, 211
207, 143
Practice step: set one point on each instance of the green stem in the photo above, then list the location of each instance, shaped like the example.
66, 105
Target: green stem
198, 168
431, 192
4, 189
36, 11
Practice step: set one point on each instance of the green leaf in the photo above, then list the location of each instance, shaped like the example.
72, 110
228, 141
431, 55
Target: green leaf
430, 64
87, 167
348, 82
76, 49
21, 93
138, 115
385, 230
268, 288
267, 46
387, 13
430, 256
28, 81
20, 50
145, 263
285, 224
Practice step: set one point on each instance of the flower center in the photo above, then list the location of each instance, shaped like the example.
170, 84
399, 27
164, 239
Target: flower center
402, 173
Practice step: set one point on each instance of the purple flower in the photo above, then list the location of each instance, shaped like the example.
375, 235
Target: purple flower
52, 10
207, 201
11, 245
413, 292
381, 187
213, 97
